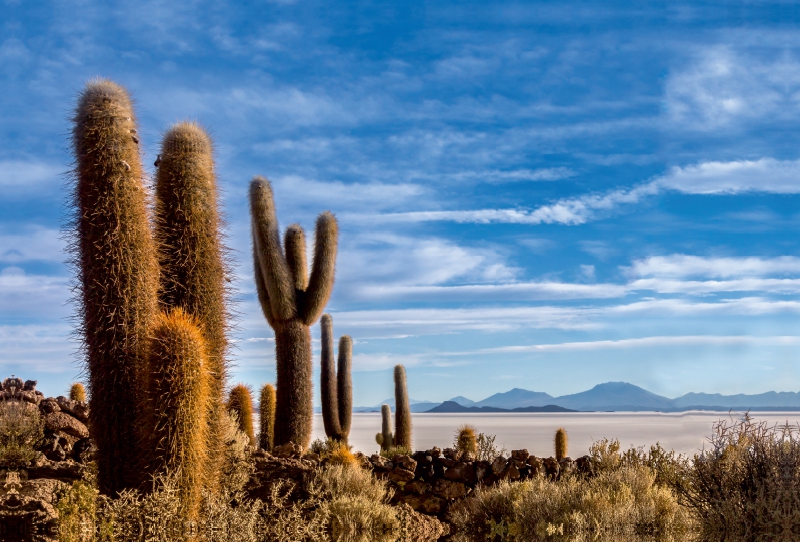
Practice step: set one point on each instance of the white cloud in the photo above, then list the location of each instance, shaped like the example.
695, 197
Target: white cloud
722, 87
764, 175
778, 286
32, 296
37, 243
682, 266
647, 342
518, 291
29, 177
294, 191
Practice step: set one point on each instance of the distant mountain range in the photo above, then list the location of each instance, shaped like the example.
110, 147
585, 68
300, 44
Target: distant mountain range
611, 396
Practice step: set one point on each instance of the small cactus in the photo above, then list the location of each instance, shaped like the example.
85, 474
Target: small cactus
77, 392
561, 443
240, 402
266, 407
177, 417
467, 440
385, 438
402, 409
336, 386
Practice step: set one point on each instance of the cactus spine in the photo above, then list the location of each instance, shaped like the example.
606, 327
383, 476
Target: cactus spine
77, 392
191, 254
385, 437
561, 444
118, 273
266, 407
240, 402
402, 414
291, 301
179, 392
336, 387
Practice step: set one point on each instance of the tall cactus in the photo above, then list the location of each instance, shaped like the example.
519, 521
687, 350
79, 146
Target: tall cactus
336, 387
402, 407
561, 443
291, 301
179, 389
266, 409
240, 401
118, 273
191, 253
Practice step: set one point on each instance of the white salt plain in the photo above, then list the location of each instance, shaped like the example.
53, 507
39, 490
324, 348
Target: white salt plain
684, 432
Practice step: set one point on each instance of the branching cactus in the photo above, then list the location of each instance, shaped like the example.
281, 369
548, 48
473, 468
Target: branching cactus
266, 408
336, 388
291, 301
240, 402
179, 386
385, 438
77, 392
402, 407
191, 253
561, 444
117, 273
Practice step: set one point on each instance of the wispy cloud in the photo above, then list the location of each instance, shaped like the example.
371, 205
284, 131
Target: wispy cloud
683, 265
741, 176
34, 243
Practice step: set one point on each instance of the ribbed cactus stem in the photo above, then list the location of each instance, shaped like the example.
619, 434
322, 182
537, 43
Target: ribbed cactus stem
561, 444
327, 380
345, 386
240, 402
467, 439
77, 392
387, 439
191, 252
179, 393
288, 307
402, 414
118, 274
266, 407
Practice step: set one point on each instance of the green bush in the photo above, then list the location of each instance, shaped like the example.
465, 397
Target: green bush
21, 427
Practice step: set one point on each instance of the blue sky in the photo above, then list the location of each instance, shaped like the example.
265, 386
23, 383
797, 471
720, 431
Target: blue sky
545, 195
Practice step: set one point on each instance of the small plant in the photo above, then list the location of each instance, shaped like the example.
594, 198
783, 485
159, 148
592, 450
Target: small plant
402, 409
396, 450
240, 402
77, 392
561, 444
487, 451
466, 442
266, 409
21, 427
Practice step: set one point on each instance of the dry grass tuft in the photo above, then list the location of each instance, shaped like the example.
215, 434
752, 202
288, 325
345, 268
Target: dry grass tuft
21, 427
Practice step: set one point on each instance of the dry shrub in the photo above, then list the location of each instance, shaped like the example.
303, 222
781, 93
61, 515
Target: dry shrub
237, 465
747, 484
21, 427
618, 503
487, 451
389, 453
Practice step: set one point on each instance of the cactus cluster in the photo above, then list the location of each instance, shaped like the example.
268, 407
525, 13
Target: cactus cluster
291, 301
152, 297
336, 386
561, 444
240, 402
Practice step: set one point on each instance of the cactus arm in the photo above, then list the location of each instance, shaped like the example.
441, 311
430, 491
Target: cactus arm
320, 284
402, 414
261, 288
345, 386
272, 264
294, 242
327, 380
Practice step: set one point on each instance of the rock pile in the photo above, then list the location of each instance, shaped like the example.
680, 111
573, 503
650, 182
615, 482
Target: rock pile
430, 481
29, 493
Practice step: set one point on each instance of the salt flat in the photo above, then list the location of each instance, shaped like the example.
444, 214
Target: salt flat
684, 432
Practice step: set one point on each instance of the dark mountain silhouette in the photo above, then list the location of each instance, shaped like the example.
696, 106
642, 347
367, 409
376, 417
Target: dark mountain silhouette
614, 396
517, 398
452, 406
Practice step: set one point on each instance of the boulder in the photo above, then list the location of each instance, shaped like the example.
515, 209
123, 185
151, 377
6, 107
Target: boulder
404, 462
43, 489
462, 472
419, 527
434, 452
448, 489
66, 471
584, 465
427, 504
520, 455
59, 421
511, 473
551, 468
285, 451
401, 476
445, 462
84, 451
79, 409
450, 453
48, 406
499, 465
381, 463
482, 469
422, 458
417, 486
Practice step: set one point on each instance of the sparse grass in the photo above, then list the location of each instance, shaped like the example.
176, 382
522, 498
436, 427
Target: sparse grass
396, 450
616, 503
